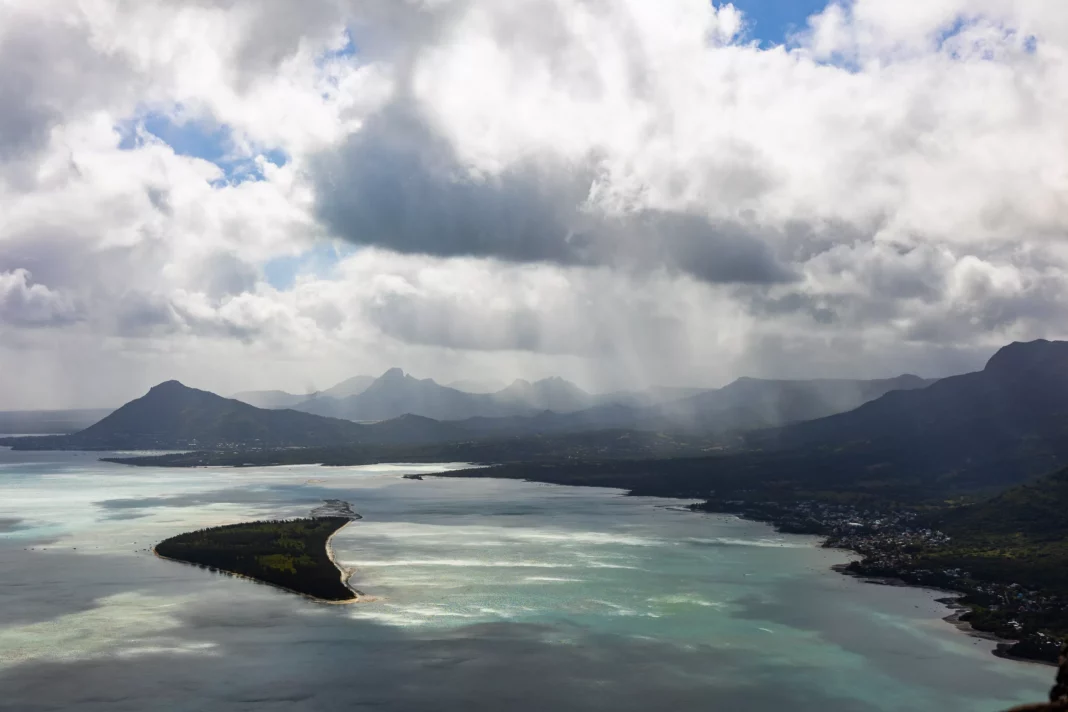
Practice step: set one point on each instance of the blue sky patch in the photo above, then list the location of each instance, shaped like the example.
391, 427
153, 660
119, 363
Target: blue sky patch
348, 49
772, 22
319, 261
200, 139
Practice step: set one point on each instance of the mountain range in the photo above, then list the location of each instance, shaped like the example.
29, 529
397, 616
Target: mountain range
397, 408
960, 438
975, 432
999, 425
396, 393
554, 404
750, 403
283, 399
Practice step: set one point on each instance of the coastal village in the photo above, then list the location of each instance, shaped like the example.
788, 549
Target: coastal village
896, 548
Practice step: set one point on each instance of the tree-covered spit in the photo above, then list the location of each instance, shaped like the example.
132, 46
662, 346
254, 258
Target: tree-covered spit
291, 554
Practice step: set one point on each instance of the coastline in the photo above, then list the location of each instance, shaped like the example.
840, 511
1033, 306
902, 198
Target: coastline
1003, 645
346, 575
788, 521
952, 602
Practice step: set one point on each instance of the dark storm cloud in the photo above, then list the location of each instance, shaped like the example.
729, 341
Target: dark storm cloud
716, 252
397, 184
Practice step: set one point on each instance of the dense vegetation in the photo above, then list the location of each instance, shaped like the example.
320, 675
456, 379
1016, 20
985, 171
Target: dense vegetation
1020, 536
1021, 533
291, 554
983, 430
844, 475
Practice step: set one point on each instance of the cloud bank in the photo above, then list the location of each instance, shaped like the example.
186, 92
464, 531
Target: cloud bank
249, 194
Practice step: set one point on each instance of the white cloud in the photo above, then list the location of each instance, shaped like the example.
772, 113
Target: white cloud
24, 303
609, 190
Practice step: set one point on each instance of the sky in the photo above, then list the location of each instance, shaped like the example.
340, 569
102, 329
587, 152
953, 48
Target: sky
247, 194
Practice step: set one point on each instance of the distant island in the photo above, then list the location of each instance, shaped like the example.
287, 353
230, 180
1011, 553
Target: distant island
291, 554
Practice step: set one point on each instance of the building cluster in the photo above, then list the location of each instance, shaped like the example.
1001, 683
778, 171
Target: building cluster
894, 544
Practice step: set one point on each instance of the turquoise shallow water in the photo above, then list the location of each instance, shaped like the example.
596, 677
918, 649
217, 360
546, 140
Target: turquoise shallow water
485, 594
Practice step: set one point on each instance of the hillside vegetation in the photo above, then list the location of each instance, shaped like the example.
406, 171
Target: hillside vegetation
1021, 534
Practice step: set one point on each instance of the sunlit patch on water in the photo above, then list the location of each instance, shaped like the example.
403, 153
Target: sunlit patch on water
776, 543
463, 563
125, 624
687, 599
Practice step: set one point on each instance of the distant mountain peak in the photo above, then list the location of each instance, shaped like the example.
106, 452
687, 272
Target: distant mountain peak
393, 374
172, 385
1022, 356
173, 389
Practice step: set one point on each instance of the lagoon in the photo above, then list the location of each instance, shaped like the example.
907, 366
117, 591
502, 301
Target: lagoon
485, 594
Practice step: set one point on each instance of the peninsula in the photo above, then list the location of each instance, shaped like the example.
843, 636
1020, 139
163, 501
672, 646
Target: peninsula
291, 554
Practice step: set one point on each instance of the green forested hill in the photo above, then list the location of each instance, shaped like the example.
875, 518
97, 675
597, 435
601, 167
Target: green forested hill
1021, 534
985, 430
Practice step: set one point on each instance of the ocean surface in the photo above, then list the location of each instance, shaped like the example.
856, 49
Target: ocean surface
486, 595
